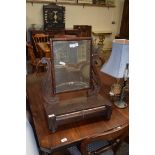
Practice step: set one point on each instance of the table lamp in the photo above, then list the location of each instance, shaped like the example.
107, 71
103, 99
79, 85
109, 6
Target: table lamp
117, 66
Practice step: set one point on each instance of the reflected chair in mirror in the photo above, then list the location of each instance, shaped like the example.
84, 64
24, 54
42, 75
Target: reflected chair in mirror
38, 38
35, 62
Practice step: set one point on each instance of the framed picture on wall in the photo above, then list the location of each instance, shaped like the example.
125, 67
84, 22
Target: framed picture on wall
54, 16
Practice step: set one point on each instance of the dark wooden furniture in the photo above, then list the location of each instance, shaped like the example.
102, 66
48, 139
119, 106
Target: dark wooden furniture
38, 38
72, 59
124, 30
80, 32
35, 62
85, 30
52, 33
113, 142
74, 133
44, 48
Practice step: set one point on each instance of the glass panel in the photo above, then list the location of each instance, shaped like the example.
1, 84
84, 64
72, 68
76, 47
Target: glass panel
71, 64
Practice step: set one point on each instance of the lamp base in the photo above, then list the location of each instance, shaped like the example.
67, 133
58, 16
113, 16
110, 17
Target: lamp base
120, 104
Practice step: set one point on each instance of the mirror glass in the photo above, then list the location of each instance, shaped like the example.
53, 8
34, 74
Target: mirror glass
72, 61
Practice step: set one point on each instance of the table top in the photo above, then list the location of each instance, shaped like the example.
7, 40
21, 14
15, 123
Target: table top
73, 133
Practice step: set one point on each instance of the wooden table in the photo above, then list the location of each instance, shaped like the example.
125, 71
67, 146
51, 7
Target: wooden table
75, 132
44, 47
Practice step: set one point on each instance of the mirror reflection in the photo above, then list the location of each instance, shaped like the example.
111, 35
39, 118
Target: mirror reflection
71, 64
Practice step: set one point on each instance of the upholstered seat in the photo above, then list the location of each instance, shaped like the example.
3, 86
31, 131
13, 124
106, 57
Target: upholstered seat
74, 150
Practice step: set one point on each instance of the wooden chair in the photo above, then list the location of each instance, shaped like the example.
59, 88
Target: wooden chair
37, 38
105, 143
35, 62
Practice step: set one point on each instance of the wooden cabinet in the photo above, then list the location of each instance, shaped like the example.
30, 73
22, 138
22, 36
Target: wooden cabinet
85, 30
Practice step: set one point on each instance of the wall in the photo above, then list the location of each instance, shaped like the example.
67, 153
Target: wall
99, 17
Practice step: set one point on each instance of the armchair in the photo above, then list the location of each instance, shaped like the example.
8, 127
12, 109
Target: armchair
104, 144
99, 145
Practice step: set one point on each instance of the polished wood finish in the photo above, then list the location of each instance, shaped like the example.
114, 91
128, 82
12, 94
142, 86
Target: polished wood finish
64, 36
52, 33
41, 37
35, 62
114, 140
37, 38
72, 109
31, 54
75, 132
44, 47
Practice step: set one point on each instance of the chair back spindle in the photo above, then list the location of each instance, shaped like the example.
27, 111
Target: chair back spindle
37, 38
